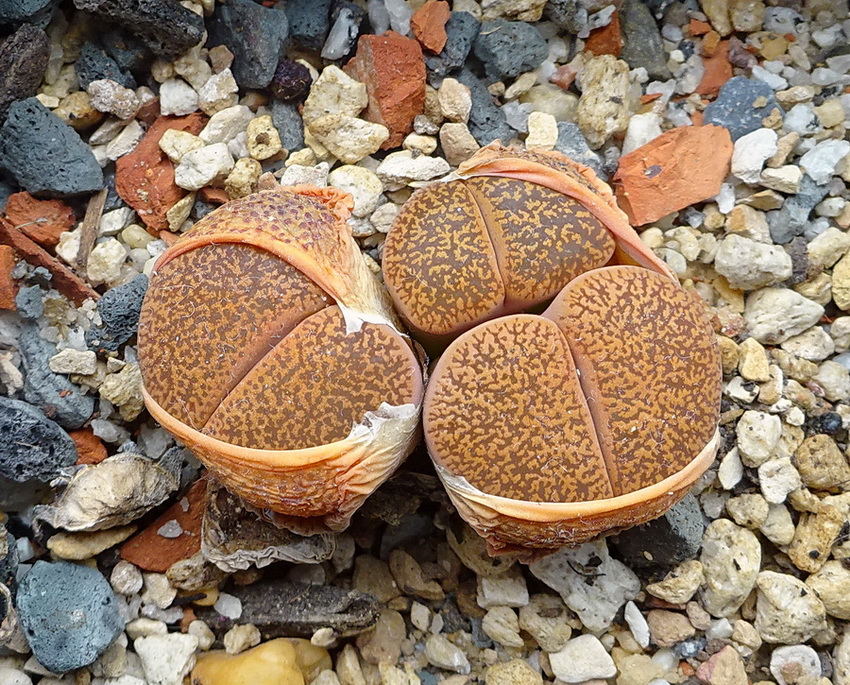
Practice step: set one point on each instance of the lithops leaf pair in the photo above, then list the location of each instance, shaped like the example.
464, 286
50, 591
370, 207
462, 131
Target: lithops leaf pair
269, 348
550, 429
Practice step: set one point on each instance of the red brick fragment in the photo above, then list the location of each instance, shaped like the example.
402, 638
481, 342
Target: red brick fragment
150, 551
564, 76
145, 178
699, 28
90, 448
393, 70
64, 280
41, 220
429, 25
8, 287
149, 112
606, 40
723, 668
718, 70
681, 166
215, 196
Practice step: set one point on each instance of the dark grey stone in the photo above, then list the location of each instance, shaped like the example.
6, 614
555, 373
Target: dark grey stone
23, 60
642, 45
509, 48
32, 447
119, 310
287, 121
256, 36
28, 302
486, 119
165, 26
68, 613
280, 608
572, 143
45, 155
94, 64
29, 11
568, 15
735, 106
790, 220
413, 527
309, 22
671, 539
5, 192
129, 52
59, 398
461, 31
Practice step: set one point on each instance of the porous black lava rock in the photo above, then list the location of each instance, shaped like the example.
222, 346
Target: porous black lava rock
741, 105
30, 11
29, 303
94, 64
45, 155
666, 541
23, 61
68, 613
642, 45
282, 608
32, 447
257, 37
59, 398
509, 48
486, 120
790, 220
165, 26
309, 22
461, 31
128, 52
119, 310
291, 81
287, 121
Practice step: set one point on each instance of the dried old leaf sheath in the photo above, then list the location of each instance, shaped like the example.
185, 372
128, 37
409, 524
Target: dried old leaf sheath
269, 348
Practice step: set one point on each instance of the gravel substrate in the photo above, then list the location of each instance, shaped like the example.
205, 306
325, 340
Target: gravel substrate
722, 126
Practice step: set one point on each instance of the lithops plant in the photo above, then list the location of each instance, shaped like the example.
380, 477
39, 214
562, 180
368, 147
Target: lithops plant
269, 348
597, 414
506, 234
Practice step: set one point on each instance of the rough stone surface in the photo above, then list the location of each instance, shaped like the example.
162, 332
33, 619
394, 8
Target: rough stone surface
23, 60
596, 598
45, 155
787, 612
33, 447
730, 557
68, 613
167, 28
461, 31
667, 540
256, 35
58, 397
509, 48
668, 173
392, 68
773, 315
738, 106
486, 120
